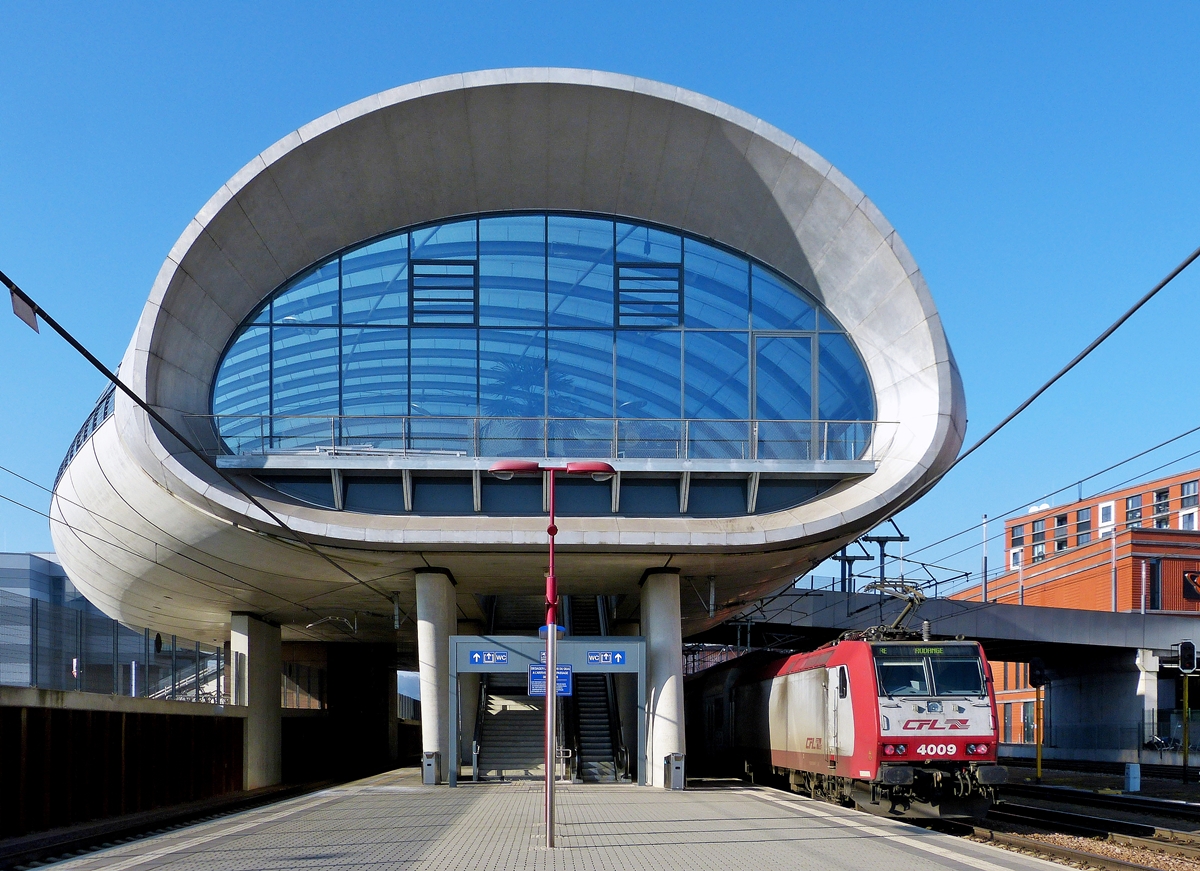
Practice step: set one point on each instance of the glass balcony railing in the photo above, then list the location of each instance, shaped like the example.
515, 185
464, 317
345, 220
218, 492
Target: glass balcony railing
600, 438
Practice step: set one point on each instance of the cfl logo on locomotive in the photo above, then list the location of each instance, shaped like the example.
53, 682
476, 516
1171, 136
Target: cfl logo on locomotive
812, 744
934, 725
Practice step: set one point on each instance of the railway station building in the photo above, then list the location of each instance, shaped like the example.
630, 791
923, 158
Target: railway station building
547, 265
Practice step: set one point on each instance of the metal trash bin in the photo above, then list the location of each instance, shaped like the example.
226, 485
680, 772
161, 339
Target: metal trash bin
673, 772
431, 768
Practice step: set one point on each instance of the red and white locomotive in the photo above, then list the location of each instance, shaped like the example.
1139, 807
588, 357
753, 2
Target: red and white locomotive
903, 728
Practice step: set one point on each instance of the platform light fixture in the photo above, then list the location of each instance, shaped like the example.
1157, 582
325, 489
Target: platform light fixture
506, 470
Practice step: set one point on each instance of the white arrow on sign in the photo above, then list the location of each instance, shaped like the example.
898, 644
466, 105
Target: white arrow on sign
475, 657
618, 657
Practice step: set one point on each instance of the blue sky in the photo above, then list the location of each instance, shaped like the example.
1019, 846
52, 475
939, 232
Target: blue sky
1040, 160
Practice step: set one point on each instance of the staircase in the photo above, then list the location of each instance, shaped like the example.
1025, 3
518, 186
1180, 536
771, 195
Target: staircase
597, 761
518, 615
513, 725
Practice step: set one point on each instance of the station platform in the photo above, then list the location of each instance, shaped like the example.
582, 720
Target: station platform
392, 821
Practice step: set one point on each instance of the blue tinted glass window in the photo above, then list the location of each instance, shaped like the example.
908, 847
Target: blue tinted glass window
716, 372
311, 299
454, 241
580, 373
716, 288
244, 377
375, 283
450, 321
375, 371
779, 305
304, 385
512, 271
580, 270
783, 378
845, 390
443, 366
641, 244
648, 374
304, 370
512, 373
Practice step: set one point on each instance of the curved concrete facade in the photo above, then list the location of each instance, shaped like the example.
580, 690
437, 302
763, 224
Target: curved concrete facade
154, 537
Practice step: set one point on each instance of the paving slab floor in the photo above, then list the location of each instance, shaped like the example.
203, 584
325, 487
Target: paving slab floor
392, 821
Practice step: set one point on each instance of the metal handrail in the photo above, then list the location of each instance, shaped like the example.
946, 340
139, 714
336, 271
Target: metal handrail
616, 735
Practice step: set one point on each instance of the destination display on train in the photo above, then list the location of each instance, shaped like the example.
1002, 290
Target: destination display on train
903, 650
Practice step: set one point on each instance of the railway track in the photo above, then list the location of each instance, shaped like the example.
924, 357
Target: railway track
1142, 836
1086, 798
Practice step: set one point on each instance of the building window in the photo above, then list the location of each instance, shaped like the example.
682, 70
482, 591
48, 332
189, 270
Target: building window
1060, 533
1018, 535
1187, 520
1083, 526
1014, 558
1107, 518
1039, 540
1133, 510
1188, 494
1162, 508
1029, 724
1007, 734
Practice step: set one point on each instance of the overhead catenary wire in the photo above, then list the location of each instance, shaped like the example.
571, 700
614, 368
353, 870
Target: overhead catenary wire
1083, 480
1095, 343
1000, 534
36, 311
110, 543
300, 604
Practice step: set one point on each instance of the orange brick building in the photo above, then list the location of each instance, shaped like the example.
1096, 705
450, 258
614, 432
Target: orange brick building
1136, 549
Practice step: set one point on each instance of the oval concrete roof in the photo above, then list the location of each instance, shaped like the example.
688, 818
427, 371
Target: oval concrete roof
555, 139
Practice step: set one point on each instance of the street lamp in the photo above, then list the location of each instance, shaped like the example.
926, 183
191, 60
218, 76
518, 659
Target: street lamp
505, 470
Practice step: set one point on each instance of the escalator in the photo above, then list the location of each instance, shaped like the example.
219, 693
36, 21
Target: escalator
599, 752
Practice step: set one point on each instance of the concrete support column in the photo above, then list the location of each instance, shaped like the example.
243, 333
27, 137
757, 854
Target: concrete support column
664, 669
256, 667
1147, 664
437, 611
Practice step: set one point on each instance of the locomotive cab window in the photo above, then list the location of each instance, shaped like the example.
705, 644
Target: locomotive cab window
922, 670
903, 677
957, 676
843, 683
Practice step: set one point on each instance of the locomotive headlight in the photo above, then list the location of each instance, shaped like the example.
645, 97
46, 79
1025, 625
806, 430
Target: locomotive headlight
901, 749
889, 749
934, 707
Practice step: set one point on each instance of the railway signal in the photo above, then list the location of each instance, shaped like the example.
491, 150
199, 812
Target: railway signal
1187, 656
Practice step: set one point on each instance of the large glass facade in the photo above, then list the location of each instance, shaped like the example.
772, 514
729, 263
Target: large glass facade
580, 325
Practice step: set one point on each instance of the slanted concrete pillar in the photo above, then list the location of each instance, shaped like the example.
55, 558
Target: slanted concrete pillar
664, 669
256, 667
437, 611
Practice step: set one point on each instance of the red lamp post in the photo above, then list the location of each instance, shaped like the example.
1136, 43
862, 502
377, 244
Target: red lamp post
505, 470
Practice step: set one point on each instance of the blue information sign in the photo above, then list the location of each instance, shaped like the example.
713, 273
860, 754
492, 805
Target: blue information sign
564, 686
488, 657
606, 657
